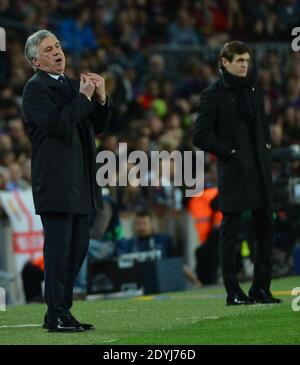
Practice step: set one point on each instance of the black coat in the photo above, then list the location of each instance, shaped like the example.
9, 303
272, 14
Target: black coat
62, 124
244, 178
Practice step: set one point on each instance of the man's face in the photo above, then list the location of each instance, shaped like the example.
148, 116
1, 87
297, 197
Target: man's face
143, 226
50, 57
239, 65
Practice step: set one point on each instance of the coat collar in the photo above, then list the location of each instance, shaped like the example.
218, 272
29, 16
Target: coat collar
47, 79
226, 84
223, 80
55, 84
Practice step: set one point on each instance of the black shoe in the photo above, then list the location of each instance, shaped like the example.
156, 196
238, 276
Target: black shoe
85, 326
239, 299
263, 296
63, 323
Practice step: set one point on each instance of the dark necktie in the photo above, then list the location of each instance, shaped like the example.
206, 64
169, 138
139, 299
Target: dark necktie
62, 79
66, 85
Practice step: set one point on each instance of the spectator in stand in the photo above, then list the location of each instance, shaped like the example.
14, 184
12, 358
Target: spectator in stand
145, 239
182, 31
157, 70
77, 34
16, 181
7, 155
16, 131
4, 177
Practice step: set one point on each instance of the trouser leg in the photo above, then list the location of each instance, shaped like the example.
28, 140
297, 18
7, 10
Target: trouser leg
228, 247
78, 251
264, 229
57, 238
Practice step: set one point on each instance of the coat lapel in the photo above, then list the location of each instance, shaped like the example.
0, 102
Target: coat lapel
48, 80
74, 85
58, 91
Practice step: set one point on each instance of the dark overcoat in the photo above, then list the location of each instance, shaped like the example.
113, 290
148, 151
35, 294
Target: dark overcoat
244, 177
62, 124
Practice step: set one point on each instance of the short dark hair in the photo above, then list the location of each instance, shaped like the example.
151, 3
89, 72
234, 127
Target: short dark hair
230, 49
143, 213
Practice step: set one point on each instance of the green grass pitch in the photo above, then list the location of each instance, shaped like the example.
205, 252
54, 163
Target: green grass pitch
184, 318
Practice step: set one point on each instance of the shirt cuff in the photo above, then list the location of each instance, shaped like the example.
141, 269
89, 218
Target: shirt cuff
103, 102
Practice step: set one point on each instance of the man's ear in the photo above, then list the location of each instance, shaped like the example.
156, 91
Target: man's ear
224, 61
35, 62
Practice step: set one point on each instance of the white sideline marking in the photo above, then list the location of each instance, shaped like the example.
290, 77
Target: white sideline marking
20, 325
116, 311
211, 317
186, 318
195, 318
108, 341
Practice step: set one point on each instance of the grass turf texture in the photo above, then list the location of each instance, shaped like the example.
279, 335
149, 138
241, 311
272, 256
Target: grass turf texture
183, 318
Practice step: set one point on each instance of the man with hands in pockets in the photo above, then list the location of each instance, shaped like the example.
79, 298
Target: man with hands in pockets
231, 125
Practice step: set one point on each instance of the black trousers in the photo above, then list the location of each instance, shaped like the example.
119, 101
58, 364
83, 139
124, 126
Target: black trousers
65, 247
264, 228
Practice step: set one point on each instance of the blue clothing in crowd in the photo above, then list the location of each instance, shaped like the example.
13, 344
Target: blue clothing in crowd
162, 242
76, 40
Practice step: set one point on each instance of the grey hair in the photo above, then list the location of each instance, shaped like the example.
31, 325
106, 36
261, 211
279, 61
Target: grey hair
33, 42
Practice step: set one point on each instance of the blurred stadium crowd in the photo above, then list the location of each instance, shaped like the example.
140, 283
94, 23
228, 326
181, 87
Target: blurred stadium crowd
155, 104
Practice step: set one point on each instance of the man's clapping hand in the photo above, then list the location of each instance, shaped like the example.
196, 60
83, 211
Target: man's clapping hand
87, 86
99, 83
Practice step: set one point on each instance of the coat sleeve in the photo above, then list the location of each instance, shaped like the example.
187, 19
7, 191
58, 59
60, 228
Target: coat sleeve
204, 132
42, 111
100, 117
265, 123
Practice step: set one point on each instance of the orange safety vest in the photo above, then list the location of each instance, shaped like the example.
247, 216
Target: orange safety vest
205, 218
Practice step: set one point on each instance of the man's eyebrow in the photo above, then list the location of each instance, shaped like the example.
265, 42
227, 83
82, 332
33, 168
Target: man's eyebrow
49, 47
243, 58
